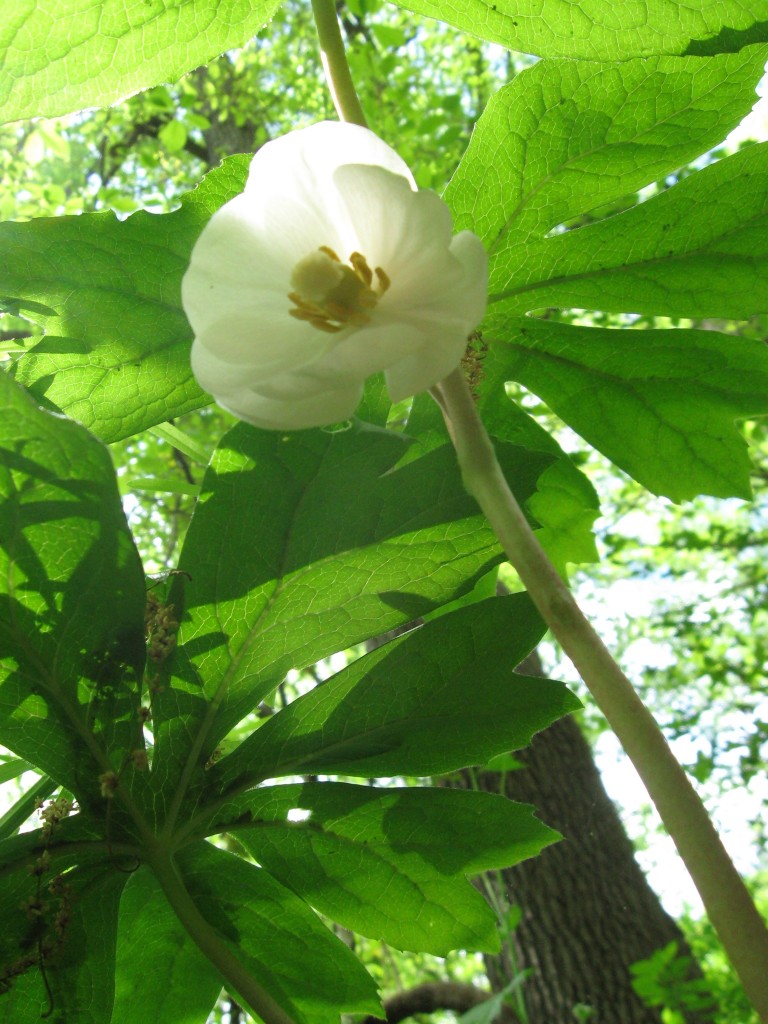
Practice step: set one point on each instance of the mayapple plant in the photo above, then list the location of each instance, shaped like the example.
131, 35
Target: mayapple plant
187, 836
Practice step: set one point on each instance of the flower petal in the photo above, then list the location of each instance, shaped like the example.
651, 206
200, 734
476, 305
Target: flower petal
371, 349
334, 185
467, 248
460, 294
397, 228
286, 402
297, 163
314, 410
235, 295
435, 359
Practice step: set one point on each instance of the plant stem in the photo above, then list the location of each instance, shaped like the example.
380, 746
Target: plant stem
730, 908
728, 904
212, 945
335, 65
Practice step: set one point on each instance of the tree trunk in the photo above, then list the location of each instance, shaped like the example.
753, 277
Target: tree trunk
587, 909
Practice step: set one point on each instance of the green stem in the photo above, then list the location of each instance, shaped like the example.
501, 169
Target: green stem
183, 442
213, 946
335, 64
729, 906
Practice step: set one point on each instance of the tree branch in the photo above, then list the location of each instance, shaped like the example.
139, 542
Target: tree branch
428, 998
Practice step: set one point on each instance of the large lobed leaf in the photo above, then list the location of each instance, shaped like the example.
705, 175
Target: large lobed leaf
699, 249
564, 504
662, 405
410, 707
160, 974
282, 943
390, 863
278, 577
565, 137
410, 528
71, 599
601, 31
79, 985
108, 294
122, 953
55, 59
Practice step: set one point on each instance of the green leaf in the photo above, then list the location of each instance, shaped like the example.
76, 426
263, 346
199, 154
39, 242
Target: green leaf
80, 54
25, 806
179, 439
390, 863
565, 137
12, 768
173, 136
639, 28
71, 599
160, 974
302, 545
108, 294
443, 697
488, 1011
308, 971
81, 985
660, 404
699, 249
566, 506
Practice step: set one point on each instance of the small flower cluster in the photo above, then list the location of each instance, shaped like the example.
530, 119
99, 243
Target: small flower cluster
49, 915
216, 756
53, 813
108, 783
472, 362
50, 921
139, 760
160, 628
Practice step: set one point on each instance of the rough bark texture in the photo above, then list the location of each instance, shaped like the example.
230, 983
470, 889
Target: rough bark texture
588, 911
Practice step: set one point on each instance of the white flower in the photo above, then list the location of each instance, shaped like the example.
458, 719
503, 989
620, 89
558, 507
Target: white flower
331, 266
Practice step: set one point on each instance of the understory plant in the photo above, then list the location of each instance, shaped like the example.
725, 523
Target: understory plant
190, 829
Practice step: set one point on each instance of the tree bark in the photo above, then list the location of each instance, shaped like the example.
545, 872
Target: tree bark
587, 909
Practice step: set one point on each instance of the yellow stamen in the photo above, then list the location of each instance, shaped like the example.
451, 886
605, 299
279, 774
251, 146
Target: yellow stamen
360, 266
331, 295
384, 281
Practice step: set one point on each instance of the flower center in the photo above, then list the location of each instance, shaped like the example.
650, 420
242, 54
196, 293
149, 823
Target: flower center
330, 294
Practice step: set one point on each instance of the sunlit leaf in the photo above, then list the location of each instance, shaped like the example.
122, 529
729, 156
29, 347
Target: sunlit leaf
108, 294
661, 404
308, 971
595, 31
275, 577
160, 974
79, 54
443, 697
566, 137
699, 249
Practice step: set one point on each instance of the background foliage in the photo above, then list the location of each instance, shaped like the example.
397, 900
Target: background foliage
627, 305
